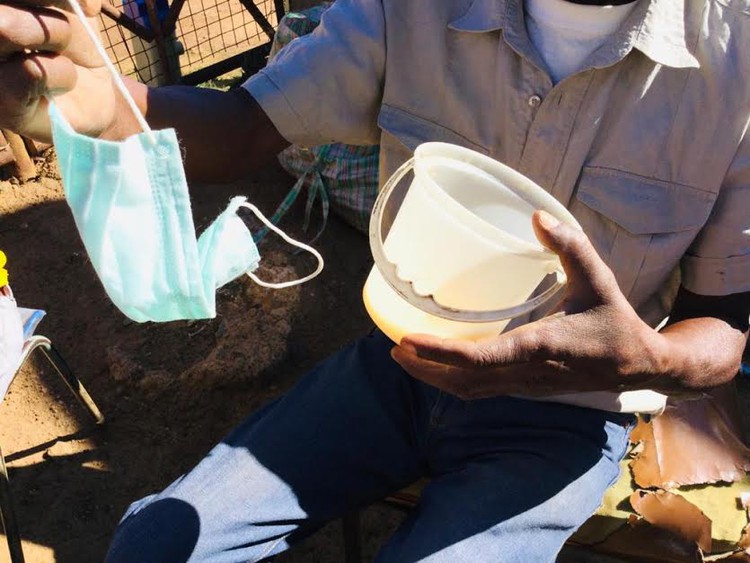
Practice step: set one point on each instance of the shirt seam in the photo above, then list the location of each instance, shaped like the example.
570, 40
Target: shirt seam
410, 115
609, 171
310, 132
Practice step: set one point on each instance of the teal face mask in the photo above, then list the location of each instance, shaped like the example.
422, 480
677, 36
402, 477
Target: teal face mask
131, 205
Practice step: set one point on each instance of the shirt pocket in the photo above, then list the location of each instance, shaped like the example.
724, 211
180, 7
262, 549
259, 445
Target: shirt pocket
640, 226
412, 130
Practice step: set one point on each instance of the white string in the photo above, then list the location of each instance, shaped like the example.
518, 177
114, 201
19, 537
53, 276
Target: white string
76, 7
291, 241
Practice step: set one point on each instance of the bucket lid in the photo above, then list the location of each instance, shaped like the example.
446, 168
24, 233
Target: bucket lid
481, 166
494, 171
428, 169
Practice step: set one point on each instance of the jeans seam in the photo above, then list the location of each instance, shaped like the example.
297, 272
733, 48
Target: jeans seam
623, 451
268, 550
434, 415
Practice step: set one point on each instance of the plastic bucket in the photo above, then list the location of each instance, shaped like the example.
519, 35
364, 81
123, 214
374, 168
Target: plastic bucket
461, 258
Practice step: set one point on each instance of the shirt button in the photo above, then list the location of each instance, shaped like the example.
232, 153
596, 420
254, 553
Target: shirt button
535, 101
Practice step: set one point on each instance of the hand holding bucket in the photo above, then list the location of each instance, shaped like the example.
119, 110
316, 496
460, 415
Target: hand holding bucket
461, 258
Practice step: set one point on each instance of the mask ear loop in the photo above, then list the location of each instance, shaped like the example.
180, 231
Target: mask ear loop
291, 241
76, 7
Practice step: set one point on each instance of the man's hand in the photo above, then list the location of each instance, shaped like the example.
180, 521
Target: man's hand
44, 51
593, 341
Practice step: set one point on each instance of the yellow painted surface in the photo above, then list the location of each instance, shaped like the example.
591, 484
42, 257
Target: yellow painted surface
720, 502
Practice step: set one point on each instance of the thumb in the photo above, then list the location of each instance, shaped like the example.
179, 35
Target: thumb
586, 271
91, 7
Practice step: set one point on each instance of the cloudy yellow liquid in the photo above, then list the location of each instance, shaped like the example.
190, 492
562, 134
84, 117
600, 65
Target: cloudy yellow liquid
397, 318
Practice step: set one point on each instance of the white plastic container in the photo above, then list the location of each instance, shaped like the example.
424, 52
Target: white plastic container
461, 258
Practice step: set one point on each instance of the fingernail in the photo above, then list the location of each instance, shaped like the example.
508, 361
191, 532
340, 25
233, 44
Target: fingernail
547, 220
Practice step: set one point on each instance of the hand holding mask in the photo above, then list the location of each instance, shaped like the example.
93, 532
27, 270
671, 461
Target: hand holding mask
131, 205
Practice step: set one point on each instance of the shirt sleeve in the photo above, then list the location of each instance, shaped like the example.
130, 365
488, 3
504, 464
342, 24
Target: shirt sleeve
718, 262
327, 86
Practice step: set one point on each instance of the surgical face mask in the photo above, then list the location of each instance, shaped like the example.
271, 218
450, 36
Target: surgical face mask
131, 205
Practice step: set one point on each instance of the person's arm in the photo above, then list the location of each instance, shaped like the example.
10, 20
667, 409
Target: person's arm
707, 337
216, 148
45, 53
326, 88
594, 342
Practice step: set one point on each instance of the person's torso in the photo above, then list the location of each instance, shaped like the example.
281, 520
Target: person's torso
636, 148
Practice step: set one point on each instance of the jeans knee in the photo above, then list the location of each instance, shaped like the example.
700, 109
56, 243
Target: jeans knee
164, 531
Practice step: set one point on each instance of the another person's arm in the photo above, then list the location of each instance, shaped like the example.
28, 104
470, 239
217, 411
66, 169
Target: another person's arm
45, 53
327, 88
224, 135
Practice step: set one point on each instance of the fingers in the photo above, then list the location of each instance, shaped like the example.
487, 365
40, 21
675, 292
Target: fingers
25, 79
38, 30
518, 346
587, 273
451, 379
460, 353
539, 379
90, 7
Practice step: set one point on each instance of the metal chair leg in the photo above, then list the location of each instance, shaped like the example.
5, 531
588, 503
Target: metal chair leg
61, 367
352, 530
8, 515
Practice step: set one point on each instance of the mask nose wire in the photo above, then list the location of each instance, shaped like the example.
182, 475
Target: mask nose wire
76, 7
291, 241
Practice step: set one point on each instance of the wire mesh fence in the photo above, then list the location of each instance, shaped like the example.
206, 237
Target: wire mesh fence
188, 41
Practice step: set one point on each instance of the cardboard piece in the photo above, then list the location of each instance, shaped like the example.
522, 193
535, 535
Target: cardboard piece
739, 557
692, 443
672, 512
637, 540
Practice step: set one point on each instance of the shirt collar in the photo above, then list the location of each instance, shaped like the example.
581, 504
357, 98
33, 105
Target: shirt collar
662, 33
482, 16
655, 27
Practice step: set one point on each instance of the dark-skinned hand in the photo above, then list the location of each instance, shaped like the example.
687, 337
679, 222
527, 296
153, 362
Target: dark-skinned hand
593, 341
44, 52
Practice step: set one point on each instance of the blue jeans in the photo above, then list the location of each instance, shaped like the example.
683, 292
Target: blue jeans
510, 479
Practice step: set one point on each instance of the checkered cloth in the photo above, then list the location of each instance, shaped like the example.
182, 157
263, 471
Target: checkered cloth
342, 178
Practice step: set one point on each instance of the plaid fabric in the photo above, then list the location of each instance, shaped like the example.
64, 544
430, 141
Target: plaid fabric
342, 178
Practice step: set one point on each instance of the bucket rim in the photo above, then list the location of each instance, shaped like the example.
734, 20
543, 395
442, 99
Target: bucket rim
479, 226
528, 190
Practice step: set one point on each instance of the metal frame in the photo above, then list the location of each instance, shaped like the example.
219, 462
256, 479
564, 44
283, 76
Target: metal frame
161, 30
251, 61
7, 513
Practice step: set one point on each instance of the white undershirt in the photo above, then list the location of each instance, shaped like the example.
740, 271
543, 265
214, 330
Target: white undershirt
565, 34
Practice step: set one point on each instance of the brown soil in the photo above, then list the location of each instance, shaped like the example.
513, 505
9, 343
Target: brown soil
168, 391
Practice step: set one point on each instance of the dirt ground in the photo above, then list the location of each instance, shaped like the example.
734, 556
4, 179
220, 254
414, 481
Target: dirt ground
168, 391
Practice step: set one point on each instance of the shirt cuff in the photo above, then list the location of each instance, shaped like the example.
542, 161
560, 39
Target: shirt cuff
271, 99
716, 276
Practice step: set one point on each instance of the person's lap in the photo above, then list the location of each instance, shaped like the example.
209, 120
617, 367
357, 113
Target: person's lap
506, 473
